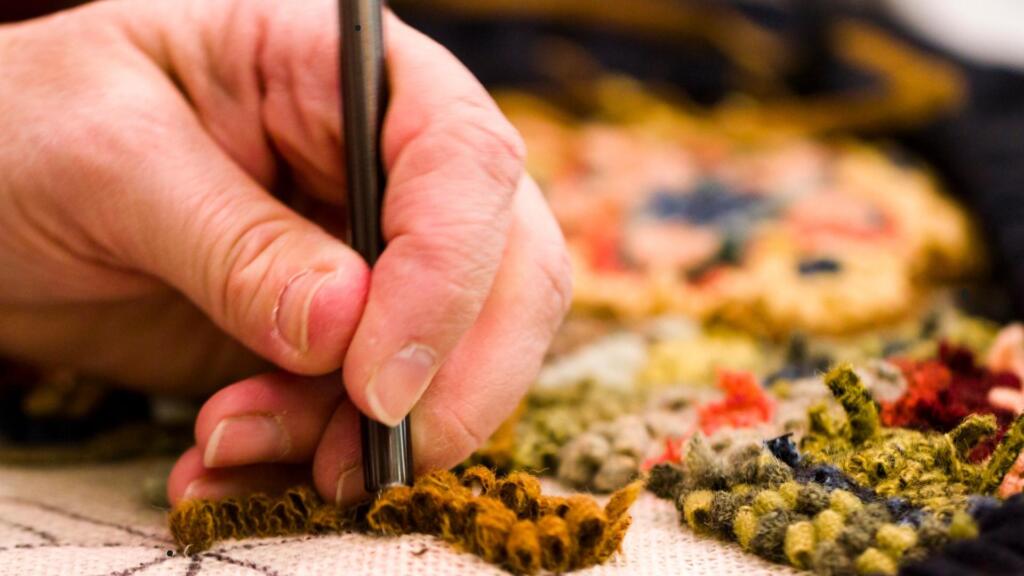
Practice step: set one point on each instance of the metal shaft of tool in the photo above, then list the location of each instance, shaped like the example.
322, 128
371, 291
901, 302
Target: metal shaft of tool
387, 452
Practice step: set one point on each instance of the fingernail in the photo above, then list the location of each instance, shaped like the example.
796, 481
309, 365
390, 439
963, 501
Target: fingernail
195, 490
207, 489
291, 313
350, 482
248, 439
397, 384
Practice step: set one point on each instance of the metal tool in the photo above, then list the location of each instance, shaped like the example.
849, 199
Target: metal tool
387, 452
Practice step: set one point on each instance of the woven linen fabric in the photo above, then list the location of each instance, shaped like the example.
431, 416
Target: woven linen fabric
94, 520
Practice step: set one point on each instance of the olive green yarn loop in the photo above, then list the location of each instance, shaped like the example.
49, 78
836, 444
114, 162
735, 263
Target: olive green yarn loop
1003, 458
799, 544
974, 430
930, 470
855, 399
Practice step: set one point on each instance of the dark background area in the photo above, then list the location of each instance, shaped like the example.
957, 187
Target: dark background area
11, 12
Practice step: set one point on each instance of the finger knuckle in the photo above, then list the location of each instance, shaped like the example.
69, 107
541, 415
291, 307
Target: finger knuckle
497, 144
471, 130
556, 275
461, 271
238, 269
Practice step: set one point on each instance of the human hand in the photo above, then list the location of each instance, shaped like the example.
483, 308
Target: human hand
172, 182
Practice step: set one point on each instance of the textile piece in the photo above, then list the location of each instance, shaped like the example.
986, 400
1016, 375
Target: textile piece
665, 210
738, 417
505, 521
597, 428
862, 499
929, 469
94, 520
943, 391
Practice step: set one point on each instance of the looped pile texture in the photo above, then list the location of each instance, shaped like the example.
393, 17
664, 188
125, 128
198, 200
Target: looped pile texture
857, 498
505, 521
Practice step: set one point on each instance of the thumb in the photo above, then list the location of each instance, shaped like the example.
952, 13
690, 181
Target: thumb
272, 279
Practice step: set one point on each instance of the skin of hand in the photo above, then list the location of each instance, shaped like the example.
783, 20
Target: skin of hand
173, 187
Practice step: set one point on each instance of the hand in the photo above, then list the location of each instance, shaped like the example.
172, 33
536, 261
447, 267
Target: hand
171, 184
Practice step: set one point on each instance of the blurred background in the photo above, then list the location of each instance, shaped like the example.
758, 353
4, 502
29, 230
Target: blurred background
955, 99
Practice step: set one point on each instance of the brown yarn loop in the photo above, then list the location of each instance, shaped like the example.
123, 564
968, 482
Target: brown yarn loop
505, 521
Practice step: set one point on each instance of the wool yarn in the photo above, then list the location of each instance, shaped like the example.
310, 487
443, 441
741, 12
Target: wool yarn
856, 497
506, 521
929, 469
941, 392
